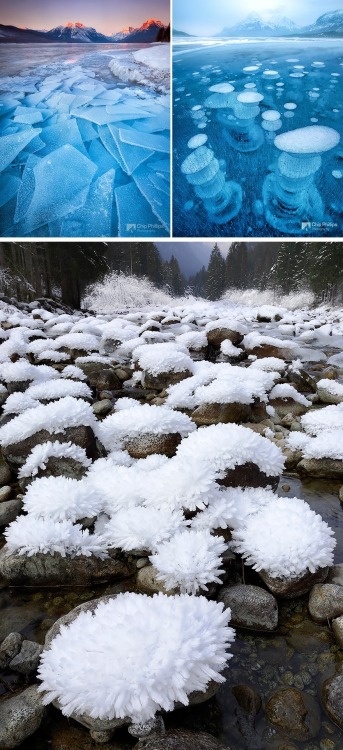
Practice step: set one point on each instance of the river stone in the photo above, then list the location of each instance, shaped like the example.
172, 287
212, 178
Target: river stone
248, 475
326, 468
106, 380
45, 570
326, 602
285, 406
148, 583
3, 397
270, 350
146, 444
337, 629
248, 698
336, 574
251, 607
181, 739
9, 648
327, 397
163, 379
295, 713
20, 716
17, 453
57, 467
287, 588
101, 408
332, 698
216, 336
5, 475
207, 414
5, 493
303, 380
27, 660
9, 511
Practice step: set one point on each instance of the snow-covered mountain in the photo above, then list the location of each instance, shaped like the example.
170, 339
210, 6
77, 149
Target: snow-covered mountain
329, 24
76, 32
255, 25
145, 33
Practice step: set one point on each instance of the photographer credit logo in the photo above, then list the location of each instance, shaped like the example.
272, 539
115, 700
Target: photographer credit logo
318, 225
141, 228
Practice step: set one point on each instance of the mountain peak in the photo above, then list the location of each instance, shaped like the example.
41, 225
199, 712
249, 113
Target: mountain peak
76, 25
151, 22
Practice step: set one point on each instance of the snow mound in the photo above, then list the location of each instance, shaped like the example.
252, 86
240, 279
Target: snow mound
54, 417
61, 498
285, 538
220, 383
141, 420
142, 528
328, 418
40, 454
328, 444
162, 358
148, 653
285, 390
189, 561
28, 535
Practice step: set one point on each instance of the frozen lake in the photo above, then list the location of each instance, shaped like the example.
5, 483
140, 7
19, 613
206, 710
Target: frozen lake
63, 111
237, 96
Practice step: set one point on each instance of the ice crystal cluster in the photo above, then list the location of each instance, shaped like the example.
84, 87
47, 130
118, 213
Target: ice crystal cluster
181, 648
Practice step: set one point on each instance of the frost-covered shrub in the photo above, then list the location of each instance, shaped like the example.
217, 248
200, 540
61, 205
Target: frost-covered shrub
141, 420
225, 446
161, 358
117, 291
61, 498
189, 561
136, 655
40, 455
28, 535
285, 390
318, 420
142, 528
285, 538
54, 417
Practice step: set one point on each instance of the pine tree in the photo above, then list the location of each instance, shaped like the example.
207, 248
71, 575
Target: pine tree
215, 281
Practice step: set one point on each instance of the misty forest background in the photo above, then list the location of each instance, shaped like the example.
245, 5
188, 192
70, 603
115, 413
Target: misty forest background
63, 272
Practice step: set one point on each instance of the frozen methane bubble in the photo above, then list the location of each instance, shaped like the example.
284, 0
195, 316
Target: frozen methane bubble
271, 122
197, 140
290, 105
289, 194
222, 200
223, 96
271, 75
243, 133
250, 69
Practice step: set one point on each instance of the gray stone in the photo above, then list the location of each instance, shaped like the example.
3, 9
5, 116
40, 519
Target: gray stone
20, 716
302, 380
285, 406
326, 602
147, 582
44, 570
216, 336
251, 607
332, 698
3, 397
163, 379
326, 468
287, 588
5, 474
101, 408
207, 414
9, 648
337, 629
9, 511
17, 453
5, 493
27, 660
248, 698
326, 397
295, 713
248, 475
105, 380
181, 739
146, 444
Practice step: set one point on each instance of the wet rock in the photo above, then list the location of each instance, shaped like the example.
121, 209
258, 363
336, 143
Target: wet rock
27, 660
9, 511
101, 408
146, 444
9, 648
16, 454
248, 475
163, 379
287, 588
216, 336
5, 475
251, 607
325, 602
106, 379
248, 698
303, 381
69, 737
332, 698
181, 739
337, 629
295, 713
5, 493
270, 350
327, 397
147, 582
20, 716
292, 458
3, 397
285, 406
326, 468
44, 570
207, 414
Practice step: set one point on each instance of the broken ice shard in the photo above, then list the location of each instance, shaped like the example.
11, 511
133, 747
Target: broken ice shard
12, 145
290, 196
222, 200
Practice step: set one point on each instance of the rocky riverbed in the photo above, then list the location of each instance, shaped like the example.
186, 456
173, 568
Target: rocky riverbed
284, 688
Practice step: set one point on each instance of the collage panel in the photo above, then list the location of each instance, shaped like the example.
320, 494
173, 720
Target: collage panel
170, 495
257, 119
85, 119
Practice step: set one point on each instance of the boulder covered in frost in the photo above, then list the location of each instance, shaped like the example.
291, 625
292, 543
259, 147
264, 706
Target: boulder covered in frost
330, 391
